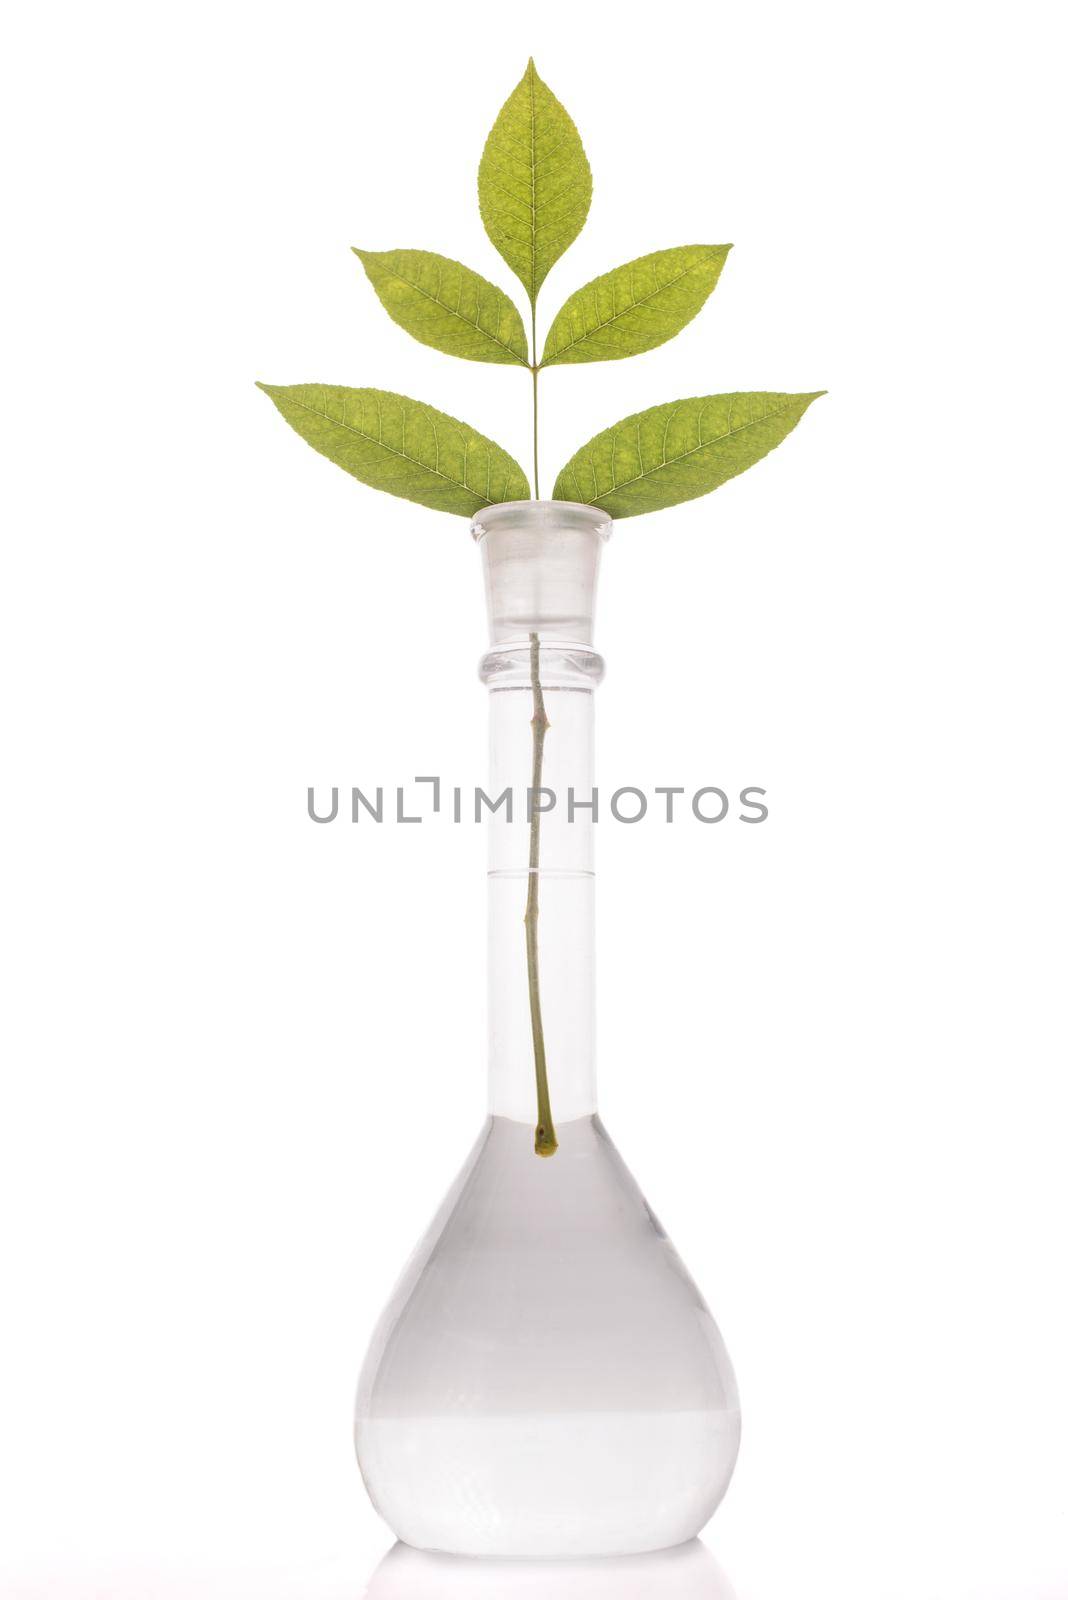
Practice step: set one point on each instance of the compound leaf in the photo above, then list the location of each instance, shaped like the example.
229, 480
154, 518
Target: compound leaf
402, 446
678, 451
446, 305
534, 182
636, 306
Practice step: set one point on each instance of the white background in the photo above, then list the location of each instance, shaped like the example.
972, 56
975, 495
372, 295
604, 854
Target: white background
243, 1055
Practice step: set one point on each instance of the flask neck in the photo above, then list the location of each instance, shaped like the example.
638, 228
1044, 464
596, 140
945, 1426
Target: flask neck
541, 832
540, 560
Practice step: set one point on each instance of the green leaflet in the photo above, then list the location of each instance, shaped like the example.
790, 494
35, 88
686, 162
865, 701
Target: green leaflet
402, 446
446, 305
534, 182
678, 451
636, 306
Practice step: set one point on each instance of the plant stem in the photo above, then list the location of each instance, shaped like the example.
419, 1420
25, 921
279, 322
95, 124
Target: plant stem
534, 369
545, 1143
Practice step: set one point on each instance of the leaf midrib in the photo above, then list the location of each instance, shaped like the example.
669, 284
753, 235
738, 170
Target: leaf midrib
533, 195
626, 312
643, 477
401, 454
519, 362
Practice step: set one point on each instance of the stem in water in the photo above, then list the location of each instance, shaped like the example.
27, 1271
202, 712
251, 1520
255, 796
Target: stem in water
545, 1143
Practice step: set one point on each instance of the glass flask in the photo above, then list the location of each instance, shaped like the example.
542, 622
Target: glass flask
546, 1380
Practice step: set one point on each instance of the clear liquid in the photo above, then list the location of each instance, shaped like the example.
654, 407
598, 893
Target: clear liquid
597, 1481
546, 1380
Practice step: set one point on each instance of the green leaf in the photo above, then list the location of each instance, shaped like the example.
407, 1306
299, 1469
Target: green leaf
635, 307
534, 182
402, 446
678, 451
446, 305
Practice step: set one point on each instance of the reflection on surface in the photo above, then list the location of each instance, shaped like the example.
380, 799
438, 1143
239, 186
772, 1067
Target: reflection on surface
686, 1573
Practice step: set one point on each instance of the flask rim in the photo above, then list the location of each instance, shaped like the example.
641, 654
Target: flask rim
541, 515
